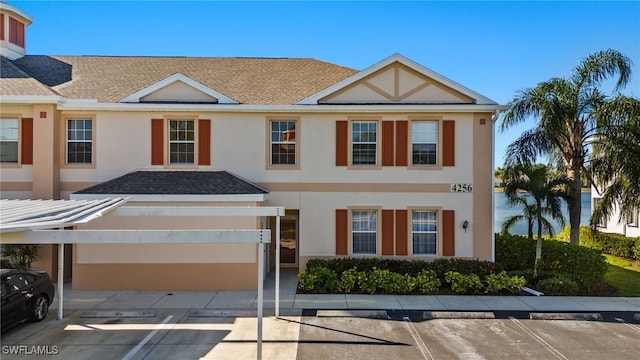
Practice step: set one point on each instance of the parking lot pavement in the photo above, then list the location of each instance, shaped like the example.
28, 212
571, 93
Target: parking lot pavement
164, 334
403, 337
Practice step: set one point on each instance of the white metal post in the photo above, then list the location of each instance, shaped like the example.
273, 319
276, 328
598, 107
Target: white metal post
60, 280
260, 296
277, 265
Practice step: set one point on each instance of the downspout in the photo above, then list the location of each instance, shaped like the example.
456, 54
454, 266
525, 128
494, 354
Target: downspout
494, 118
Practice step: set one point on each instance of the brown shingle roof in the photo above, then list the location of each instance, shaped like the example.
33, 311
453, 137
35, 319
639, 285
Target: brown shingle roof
267, 81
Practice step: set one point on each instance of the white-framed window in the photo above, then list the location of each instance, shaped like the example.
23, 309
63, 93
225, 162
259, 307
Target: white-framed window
364, 139
364, 231
283, 142
182, 141
632, 218
603, 222
79, 141
9, 141
424, 232
424, 142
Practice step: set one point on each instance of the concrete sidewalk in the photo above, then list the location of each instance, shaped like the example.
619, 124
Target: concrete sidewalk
292, 303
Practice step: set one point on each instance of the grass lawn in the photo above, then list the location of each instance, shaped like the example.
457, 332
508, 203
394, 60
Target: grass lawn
624, 275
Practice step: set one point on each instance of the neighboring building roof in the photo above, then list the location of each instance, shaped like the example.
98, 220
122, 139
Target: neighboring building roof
109, 79
176, 183
15, 81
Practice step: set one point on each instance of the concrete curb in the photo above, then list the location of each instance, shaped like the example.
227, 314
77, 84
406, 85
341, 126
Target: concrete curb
118, 314
430, 315
369, 314
566, 316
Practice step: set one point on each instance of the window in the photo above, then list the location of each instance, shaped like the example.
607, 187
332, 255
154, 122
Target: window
424, 232
632, 218
79, 141
424, 142
603, 223
283, 143
181, 141
364, 226
9, 141
364, 142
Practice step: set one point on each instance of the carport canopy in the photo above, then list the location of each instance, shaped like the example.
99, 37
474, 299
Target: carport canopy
32, 221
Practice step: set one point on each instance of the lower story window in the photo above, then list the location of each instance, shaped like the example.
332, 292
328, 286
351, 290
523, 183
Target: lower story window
424, 232
364, 225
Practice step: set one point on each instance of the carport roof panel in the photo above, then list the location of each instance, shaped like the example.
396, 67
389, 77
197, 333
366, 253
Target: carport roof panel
23, 215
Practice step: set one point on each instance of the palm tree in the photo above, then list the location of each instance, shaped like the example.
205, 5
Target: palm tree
570, 112
546, 193
529, 212
615, 164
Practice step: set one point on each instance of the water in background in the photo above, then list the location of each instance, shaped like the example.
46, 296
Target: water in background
504, 211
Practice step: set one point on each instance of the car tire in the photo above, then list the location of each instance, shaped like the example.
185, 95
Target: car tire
40, 308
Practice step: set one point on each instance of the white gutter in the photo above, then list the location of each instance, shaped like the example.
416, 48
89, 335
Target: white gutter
224, 108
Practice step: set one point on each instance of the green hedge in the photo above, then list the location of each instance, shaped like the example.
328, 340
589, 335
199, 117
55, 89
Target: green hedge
612, 244
322, 280
409, 267
389, 276
584, 265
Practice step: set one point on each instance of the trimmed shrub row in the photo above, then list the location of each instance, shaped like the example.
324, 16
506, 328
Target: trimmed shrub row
322, 279
612, 244
410, 267
581, 264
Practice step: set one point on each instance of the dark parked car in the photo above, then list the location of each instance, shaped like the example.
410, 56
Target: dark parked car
26, 295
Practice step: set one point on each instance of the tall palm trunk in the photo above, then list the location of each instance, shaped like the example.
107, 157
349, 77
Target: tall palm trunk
575, 205
538, 242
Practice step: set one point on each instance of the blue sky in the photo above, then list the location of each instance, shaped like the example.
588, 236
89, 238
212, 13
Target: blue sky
493, 47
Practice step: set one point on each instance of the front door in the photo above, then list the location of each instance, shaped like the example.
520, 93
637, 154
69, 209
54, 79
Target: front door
289, 240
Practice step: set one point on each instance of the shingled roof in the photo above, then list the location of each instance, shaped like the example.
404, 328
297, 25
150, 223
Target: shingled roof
175, 183
109, 79
15, 81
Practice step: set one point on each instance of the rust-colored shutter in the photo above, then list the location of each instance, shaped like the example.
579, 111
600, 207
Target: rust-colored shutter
448, 143
387, 143
342, 142
342, 231
402, 139
448, 233
401, 232
27, 141
1, 26
157, 142
387, 232
204, 142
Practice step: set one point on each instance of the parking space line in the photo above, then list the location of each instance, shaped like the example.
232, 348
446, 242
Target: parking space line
633, 327
416, 337
537, 338
147, 338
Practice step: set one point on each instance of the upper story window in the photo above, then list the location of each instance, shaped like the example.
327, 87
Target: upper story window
424, 232
79, 141
364, 137
283, 142
182, 141
424, 142
9, 141
364, 230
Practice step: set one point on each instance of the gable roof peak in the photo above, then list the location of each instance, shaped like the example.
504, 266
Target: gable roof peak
401, 59
178, 77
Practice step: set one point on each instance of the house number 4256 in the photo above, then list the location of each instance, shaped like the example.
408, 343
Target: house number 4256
461, 188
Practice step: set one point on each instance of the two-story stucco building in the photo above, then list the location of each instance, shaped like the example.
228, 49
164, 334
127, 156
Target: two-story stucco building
391, 161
